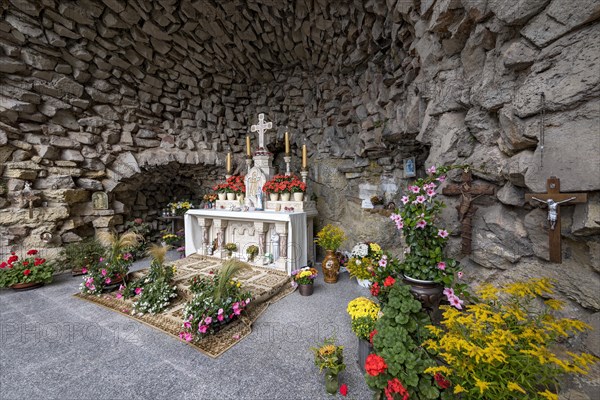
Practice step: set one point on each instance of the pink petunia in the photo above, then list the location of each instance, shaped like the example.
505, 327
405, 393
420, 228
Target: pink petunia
202, 329
421, 224
430, 192
448, 292
107, 281
185, 336
460, 274
247, 300
119, 295
187, 325
404, 200
220, 317
138, 290
207, 320
237, 311
442, 233
441, 265
220, 311
104, 272
420, 199
84, 270
383, 263
414, 189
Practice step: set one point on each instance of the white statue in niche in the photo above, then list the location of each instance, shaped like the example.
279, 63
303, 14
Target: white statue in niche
254, 184
275, 245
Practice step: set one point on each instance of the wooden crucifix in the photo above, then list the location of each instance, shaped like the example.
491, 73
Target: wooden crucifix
554, 198
466, 209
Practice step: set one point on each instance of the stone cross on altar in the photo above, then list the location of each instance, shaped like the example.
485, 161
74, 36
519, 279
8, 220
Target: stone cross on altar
468, 193
553, 198
261, 128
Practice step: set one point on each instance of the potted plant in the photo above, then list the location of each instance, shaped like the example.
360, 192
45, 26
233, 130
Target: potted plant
425, 267
142, 229
218, 300
397, 366
330, 238
517, 332
230, 247
364, 313
278, 185
27, 273
238, 187
330, 357
252, 252
210, 200
111, 270
297, 188
305, 279
222, 189
180, 207
156, 290
81, 255
365, 257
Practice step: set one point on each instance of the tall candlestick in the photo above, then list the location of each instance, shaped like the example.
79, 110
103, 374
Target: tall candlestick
229, 163
304, 156
287, 143
248, 152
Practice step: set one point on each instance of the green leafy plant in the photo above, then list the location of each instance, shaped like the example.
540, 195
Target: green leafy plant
329, 356
399, 362
252, 252
330, 237
505, 346
31, 269
157, 290
142, 229
217, 301
81, 255
230, 247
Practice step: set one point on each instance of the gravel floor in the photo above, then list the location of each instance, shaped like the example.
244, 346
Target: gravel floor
54, 346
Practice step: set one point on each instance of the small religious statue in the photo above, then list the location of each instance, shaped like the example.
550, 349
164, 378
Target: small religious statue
553, 209
100, 201
409, 168
248, 204
27, 196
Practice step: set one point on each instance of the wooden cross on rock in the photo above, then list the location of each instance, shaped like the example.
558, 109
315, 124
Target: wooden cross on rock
468, 193
554, 198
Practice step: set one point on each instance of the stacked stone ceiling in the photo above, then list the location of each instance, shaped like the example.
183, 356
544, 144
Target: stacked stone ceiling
195, 41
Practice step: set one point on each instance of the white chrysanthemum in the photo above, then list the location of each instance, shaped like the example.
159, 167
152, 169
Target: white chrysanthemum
360, 250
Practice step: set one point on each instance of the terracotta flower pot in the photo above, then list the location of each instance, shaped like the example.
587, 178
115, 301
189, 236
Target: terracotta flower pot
26, 286
331, 267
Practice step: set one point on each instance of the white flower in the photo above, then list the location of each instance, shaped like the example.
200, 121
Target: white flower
360, 250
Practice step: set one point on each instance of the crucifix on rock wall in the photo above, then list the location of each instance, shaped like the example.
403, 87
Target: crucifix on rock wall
27, 196
554, 198
468, 193
261, 128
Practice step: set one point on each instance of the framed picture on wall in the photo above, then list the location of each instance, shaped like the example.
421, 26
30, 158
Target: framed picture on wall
410, 168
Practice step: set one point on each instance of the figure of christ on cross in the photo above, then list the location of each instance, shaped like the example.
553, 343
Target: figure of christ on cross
261, 128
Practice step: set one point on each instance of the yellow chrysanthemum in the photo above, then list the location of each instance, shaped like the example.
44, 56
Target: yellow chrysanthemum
375, 247
327, 350
548, 395
513, 387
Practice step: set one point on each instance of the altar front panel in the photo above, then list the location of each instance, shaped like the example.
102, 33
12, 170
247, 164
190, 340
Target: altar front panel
284, 235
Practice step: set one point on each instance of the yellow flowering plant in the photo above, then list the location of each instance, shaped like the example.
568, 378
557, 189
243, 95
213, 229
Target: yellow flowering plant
504, 346
365, 259
330, 237
329, 356
364, 314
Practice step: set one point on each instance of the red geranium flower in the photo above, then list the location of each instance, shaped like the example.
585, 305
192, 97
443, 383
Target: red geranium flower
344, 390
389, 281
26, 272
375, 289
395, 386
442, 381
375, 365
25, 263
371, 335
32, 252
39, 261
3, 264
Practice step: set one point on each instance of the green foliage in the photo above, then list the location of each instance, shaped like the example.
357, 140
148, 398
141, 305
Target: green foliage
363, 326
329, 356
79, 255
142, 229
252, 251
157, 289
400, 332
230, 247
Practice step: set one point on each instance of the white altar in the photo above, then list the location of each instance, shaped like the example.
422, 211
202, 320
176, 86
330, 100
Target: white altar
293, 232
283, 232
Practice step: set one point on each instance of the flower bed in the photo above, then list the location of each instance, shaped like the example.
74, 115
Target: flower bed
30, 269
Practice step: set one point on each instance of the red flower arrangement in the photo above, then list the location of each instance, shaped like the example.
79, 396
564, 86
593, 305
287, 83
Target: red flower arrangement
31, 269
395, 386
389, 281
284, 184
375, 365
233, 184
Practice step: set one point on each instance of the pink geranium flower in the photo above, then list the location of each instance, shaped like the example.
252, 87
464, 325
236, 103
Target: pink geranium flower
202, 328
442, 233
421, 224
138, 290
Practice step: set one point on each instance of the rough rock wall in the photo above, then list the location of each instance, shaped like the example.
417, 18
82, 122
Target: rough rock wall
116, 96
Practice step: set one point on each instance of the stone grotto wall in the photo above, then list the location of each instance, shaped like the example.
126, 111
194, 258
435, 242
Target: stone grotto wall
142, 99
